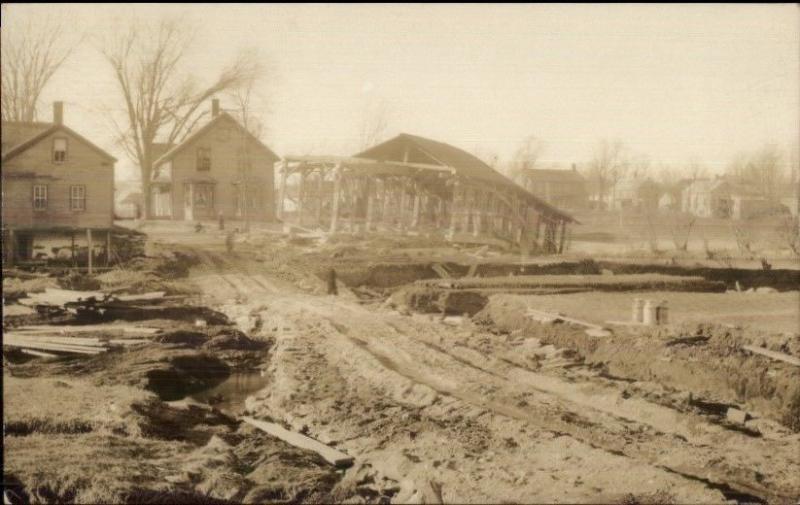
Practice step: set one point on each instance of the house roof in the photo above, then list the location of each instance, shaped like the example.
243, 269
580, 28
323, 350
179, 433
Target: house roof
554, 175
461, 162
222, 116
25, 135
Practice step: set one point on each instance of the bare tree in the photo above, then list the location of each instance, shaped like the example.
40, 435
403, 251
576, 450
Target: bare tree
762, 169
607, 166
32, 52
374, 123
680, 228
162, 100
244, 98
696, 170
527, 157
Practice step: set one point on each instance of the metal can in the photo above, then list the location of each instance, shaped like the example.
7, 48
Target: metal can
638, 309
649, 313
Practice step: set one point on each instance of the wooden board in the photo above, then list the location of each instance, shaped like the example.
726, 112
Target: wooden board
80, 341
88, 328
772, 354
331, 455
74, 349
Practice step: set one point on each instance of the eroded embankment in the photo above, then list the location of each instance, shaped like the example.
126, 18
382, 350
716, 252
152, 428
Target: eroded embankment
383, 275
711, 362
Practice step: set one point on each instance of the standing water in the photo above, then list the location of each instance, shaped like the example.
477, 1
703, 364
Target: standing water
230, 395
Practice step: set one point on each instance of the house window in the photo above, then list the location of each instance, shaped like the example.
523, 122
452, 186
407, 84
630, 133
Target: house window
203, 158
77, 197
39, 197
59, 150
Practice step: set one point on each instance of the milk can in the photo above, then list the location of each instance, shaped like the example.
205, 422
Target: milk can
662, 313
638, 308
649, 313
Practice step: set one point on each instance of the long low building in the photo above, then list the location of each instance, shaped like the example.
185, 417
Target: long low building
415, 184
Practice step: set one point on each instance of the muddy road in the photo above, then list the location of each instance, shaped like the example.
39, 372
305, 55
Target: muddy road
433, 410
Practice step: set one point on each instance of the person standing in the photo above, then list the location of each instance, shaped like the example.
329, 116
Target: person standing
229, 240
332, 289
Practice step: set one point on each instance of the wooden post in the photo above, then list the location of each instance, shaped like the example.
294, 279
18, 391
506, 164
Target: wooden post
337, 188
466, 207
72, 248
478, 221
11, 248
89, 242
300, 196
454, 207
282, 188
563, 235
386, 213
417, 202
403, 204
370, 205
320, 194
108, 248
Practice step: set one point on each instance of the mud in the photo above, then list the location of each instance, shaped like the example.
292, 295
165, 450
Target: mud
716, 366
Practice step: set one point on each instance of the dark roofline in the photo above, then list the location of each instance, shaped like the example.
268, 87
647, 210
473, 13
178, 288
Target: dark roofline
497, 175
24, 146
191, 138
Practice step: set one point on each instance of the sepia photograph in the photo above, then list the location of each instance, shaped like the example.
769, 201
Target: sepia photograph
400, 253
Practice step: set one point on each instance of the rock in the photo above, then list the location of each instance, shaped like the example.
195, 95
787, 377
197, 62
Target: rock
736, 415
765, 289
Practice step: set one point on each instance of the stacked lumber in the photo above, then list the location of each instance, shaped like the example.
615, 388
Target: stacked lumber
51, 342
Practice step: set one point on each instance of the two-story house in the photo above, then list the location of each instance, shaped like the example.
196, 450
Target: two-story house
562, 188
219, 169
57, 186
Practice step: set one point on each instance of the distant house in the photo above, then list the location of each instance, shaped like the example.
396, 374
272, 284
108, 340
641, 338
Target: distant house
563, 188
212, 172
720, 198
670, 198
636, 194
130, 207
56, 185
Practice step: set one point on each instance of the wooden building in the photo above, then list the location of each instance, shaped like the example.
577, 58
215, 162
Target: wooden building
57, 186
563, 188
412, 184
219, 169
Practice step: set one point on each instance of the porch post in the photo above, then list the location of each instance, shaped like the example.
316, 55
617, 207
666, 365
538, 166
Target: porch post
108, 248
282, 188
563, 236
415, 217
72, 247
89, 242
320, 194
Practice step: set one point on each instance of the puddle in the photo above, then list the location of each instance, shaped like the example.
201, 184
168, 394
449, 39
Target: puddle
230, 395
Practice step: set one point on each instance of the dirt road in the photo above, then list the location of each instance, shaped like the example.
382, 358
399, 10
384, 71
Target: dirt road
448, 412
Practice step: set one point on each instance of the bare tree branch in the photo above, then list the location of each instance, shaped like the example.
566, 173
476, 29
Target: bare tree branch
162, 100
32, 52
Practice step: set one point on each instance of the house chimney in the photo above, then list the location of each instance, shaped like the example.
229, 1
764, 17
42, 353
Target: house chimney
215, 107
58, 112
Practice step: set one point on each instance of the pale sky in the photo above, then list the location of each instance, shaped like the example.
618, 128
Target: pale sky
673, 82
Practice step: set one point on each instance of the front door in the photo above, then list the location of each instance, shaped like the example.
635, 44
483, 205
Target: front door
203, 201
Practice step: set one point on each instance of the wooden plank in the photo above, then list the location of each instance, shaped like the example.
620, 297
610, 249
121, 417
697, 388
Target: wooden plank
331, 455
80, 341
54, 347
89, 328
144, 296
440, 271
39, 354
779, 356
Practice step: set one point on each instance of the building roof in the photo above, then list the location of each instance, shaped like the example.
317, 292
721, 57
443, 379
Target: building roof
24, 135
222, 116
554, 175
426, 151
